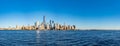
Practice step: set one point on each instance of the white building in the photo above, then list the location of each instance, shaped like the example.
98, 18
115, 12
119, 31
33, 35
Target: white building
37, 24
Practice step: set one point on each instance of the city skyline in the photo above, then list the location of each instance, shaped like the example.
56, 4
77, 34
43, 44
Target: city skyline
51, 25
85, 14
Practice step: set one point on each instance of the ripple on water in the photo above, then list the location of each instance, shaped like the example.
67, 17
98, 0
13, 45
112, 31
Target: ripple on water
60, 38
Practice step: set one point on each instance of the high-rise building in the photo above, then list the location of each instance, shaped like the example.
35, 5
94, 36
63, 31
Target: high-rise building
37, 24
42, 27
44, 20
50, 25
57, 26
74, 27
69, 28
53, 25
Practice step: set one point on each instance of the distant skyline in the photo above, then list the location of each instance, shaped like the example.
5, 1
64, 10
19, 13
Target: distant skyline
85, 14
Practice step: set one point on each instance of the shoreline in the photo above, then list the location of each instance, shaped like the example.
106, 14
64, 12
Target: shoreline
59, 30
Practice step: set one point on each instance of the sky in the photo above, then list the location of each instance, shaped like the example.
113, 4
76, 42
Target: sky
85, 14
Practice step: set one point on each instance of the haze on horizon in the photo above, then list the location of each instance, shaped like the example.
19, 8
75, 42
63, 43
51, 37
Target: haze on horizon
85, 14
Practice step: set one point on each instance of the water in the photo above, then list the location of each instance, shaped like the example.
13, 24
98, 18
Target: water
59, 38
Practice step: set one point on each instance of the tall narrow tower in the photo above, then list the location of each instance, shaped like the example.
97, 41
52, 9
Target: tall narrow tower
44, 22
44, 19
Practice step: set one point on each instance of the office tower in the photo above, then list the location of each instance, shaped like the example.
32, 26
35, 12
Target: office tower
23, 27
37, 24
17, 27
50, 25
42, 27
69, 27
64, 26
44, 20
52, 21
53, 25
57, 26
74, 27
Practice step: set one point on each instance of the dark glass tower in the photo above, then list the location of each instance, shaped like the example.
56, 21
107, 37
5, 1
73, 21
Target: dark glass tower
44, 20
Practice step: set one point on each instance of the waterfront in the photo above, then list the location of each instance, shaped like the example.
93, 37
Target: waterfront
42, 26
59, 38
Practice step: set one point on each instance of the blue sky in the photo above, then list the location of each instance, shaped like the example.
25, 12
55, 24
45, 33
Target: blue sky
85, 14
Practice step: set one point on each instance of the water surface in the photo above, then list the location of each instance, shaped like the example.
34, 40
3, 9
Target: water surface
59, 38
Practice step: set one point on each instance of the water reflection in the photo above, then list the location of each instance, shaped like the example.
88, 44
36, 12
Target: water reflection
59, 38
37, 38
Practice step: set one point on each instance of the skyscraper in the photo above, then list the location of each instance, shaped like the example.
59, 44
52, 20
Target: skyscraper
44, 20
44, 25
50, 25
37, 24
